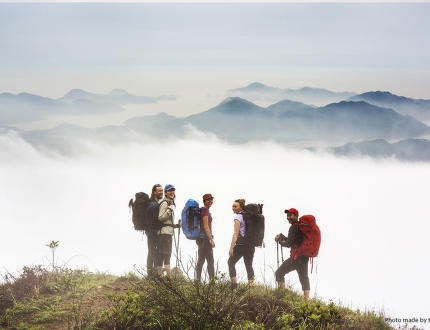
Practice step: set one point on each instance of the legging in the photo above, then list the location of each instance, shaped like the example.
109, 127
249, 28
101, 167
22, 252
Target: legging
205, 252
247, 252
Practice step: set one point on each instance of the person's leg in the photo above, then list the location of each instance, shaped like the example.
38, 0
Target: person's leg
248, 257
302, 270
237, 254
200, 259
168, 270
210, 261
159, 256
152, 252
286, 267
168, 254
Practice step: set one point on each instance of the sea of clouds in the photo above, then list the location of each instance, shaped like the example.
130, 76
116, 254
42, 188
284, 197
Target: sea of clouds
373, 215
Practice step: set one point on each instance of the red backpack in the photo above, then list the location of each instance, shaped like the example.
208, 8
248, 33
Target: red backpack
311, 238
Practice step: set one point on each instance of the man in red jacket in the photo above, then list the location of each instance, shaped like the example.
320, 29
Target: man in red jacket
299, 263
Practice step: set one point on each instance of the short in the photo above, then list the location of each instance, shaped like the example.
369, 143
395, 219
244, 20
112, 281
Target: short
165, 244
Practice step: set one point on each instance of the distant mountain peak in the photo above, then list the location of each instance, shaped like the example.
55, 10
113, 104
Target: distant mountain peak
310, 89
76, 91
236, 101
256, 85
118, 92
348, 103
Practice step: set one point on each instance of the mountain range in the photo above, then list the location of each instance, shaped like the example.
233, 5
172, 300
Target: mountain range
417, 108
408, 150
257, 91
25, 107
237, 120
363, 127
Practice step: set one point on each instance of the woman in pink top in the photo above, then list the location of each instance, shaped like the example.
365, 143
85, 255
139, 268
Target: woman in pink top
239, 247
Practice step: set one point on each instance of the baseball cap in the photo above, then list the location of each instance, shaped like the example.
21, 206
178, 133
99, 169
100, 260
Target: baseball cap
169, 187
207, 196
292, 210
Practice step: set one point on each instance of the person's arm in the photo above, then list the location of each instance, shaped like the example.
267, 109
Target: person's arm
288, 241
235, 236
208, 230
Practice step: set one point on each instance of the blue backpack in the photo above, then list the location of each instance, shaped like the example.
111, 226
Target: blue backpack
191, 220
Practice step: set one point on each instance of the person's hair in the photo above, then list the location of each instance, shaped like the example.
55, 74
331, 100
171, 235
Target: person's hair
241, 202
154, 189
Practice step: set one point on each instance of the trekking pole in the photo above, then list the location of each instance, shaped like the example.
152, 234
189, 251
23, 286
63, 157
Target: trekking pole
277, 253
177, 248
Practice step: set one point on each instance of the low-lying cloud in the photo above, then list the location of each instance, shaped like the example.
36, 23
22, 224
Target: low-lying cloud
372, 214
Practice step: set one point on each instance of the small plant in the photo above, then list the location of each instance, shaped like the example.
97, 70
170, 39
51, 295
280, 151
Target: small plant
53, 245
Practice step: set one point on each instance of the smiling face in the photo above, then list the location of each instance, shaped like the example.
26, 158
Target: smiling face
208, 202
159, 192
170, 193
292, 217
236, 207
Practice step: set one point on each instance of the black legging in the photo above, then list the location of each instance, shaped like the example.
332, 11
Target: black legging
151, 260
247, 252
205, 252
300, 265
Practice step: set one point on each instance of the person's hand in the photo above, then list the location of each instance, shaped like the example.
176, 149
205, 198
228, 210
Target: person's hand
212, 243
277, 237
230, 252
172, 207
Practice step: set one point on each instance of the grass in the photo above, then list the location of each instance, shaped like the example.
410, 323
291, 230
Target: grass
78, 299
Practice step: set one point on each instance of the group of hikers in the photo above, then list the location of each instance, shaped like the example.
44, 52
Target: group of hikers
155, 215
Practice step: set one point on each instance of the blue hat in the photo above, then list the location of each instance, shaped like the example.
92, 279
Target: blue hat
169, 187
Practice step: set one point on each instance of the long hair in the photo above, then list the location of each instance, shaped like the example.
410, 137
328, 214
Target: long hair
154, 189
241, 202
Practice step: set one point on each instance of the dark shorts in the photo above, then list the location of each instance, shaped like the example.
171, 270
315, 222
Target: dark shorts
165, 244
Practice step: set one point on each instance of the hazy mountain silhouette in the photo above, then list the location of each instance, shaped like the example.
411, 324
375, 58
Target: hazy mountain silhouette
25, 107
238, 120
403, 105
410, 149
259, 92
116, 96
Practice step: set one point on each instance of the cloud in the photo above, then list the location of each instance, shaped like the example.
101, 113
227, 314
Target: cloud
372, 214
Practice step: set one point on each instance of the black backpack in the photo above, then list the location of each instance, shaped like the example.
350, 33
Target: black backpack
145, 212
254, 224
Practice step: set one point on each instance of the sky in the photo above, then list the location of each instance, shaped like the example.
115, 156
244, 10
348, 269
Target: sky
199, 51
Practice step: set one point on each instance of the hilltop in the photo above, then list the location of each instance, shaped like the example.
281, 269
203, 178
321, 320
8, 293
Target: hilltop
40, 299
